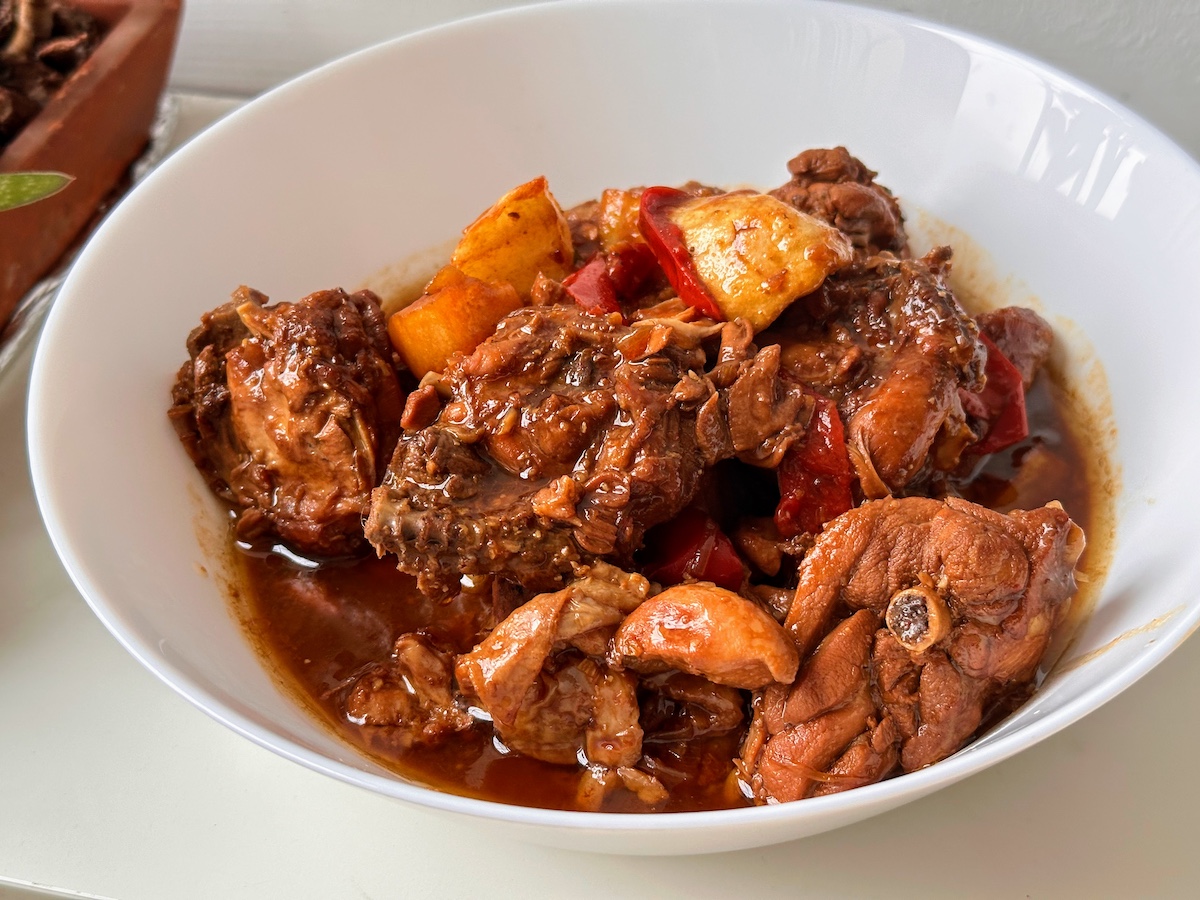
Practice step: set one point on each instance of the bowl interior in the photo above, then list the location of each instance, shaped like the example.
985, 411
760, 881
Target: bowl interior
387, 153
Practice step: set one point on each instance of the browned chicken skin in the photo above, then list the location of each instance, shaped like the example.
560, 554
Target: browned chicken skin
412, 693
551, 700
559, 677
705, 630
519, 478
836, 187
1023, 336
888, 342
979, 595
290, 412
566, 436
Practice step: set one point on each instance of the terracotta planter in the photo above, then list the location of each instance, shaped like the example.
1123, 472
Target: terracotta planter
93, 129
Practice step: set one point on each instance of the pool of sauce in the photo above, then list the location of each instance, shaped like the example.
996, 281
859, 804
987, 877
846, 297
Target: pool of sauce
322, 626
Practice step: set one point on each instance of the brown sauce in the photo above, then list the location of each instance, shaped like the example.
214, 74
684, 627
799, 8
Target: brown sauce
321, 626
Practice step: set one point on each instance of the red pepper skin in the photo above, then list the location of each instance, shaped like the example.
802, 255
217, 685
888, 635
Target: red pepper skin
693, 546
1001, 403
666, 241
815, 476
592, 288
631, 266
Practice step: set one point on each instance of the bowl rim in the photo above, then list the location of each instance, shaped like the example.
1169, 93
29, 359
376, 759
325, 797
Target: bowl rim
969, 760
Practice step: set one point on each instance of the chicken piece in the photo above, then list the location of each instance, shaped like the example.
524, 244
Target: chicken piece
598, 782
566, 436
584, 223
692, 728
898, 679
577, 707
870, 758
887, 341
550, 701
613, 736
969, 598
758, 540
754, 415
775, 600
290, 411
1023, 336
794, 763
802, 729
988, 566
677, 706
412, 693
502, 669
836, 187
830, 678
950, 708
706, 630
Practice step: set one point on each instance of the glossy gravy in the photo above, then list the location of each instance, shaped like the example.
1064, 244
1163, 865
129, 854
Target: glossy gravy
321, 626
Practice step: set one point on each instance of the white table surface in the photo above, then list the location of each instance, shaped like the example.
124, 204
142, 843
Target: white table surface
112, 786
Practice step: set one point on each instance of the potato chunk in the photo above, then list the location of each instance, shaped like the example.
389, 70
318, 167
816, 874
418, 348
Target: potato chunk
453, 316
756, 254
524, 233
618, 218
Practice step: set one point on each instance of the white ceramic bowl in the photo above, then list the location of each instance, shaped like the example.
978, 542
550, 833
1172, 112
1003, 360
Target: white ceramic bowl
391, 151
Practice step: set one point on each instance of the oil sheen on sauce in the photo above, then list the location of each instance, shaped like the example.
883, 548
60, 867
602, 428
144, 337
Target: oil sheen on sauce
321, 626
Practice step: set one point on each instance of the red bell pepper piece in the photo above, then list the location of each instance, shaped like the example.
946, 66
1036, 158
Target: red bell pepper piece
815, 476
1000, 405
692, 545
631, 264
666, 241
592, 288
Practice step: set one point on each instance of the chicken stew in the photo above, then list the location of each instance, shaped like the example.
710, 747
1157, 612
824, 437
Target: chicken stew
678, 499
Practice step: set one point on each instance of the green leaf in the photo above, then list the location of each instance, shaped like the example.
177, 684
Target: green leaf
21, 188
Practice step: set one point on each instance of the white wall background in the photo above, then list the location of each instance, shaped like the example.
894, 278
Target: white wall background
1146, 53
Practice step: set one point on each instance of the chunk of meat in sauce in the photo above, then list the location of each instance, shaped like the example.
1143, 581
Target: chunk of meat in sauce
677, 706
550, 701
837, 188
692, 728
889, 343
502, 668
566, 436
1023, 336
290, 411
706, 630
982, 594
412, 693
576, 706
544, 456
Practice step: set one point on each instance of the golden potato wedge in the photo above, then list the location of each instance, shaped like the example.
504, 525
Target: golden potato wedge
756, 254
523, 234
618, 217
454, 315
